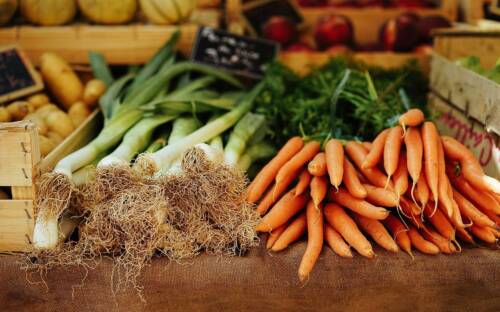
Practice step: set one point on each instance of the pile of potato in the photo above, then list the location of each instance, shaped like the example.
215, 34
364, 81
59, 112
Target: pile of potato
75, 102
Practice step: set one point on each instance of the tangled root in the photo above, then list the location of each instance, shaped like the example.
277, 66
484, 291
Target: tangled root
54, 192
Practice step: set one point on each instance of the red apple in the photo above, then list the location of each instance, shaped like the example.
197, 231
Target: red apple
427, 23
338, 49
333, 30
312, 3
280, 29
423, 49
300, 47
400, 33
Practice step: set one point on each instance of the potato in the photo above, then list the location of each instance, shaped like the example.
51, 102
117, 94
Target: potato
61, 80
46, 145
46, 109
19, 109
38, 100
93, 91
59, 121
39, 122
78, 113
54, 137
4, 115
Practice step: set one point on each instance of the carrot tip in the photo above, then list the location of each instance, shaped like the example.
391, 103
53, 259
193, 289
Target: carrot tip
387, 182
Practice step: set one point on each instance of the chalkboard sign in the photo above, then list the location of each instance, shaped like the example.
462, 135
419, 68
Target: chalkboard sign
240, 55
17, 75
256, 13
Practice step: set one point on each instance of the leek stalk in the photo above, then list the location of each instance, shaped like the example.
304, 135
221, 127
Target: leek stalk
241, 134
261, 150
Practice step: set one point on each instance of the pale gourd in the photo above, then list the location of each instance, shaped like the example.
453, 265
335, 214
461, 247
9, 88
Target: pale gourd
167, 12
108, 11
48, 12
7, 10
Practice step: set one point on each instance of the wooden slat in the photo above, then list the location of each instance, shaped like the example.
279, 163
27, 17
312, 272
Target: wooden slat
23, 192
16, 224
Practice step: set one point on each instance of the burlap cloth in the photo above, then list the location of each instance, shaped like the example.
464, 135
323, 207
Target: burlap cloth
469, 281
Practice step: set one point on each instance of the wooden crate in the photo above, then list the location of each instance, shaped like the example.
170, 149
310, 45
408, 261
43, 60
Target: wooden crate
20, 164
464, 41
303, 62
476, 96
470, 11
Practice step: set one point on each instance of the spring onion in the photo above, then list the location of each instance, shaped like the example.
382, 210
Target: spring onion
241, 134
261, 150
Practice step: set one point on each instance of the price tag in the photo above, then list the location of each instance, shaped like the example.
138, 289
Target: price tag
17, 75
240, 55
256, 13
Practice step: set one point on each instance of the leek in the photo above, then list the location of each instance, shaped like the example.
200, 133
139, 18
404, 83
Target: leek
258, 151
100, 68
159, 142
241, 134
182, 127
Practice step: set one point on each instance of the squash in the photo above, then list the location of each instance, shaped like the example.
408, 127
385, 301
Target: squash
48, 12
167, 11
7, 10
108, 11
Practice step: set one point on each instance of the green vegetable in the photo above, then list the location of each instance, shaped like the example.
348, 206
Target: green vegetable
182, 127
159, 141
241, 134
100, 68
258, 151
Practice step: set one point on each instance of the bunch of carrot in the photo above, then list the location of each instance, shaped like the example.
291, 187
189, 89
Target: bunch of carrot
409, 188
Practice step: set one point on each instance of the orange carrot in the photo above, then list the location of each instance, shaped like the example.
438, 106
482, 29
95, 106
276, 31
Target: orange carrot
495, 218
377, 232
357, 153
471, 212
440, 222
351, 180
334, 154
392, 149
444, 245
274, 235
398, 231
401, 176
317, 166
336, 242
360, 206
283, 211
481, 199
411, 118
314, 240
420, 243
470, 166
266, 176
483, 233
443, 184
319, 188
297, 161
304, 181
376, 151
380, 196
292, 233
465, 236
415, 210
414, 154
430, 139
342, 223
422, 191
367, 145
456, 217
274, 193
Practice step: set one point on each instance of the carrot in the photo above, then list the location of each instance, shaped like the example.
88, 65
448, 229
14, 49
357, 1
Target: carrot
415, 210
351, 180
314, 240
360, 206
274, 235
367, 145
401, 176
481, 199
456, 217
293, 232
266, 176
376, 151
465, 236
440, 222
420, 243
471, 212
411, 118
398, 231
414, 153
336, 242
377, 232
334, 154
392, 149
304, 181
274, 193
422, 191
298, 160
443, 184
483, 233
317, 166
380, 196
319, 188
470, 166
357, 153
444, 245
283, 211
495, 218
342, 223
430, 139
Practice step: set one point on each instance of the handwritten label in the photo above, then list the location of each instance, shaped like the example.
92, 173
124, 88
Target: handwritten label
238, 54
256, 13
